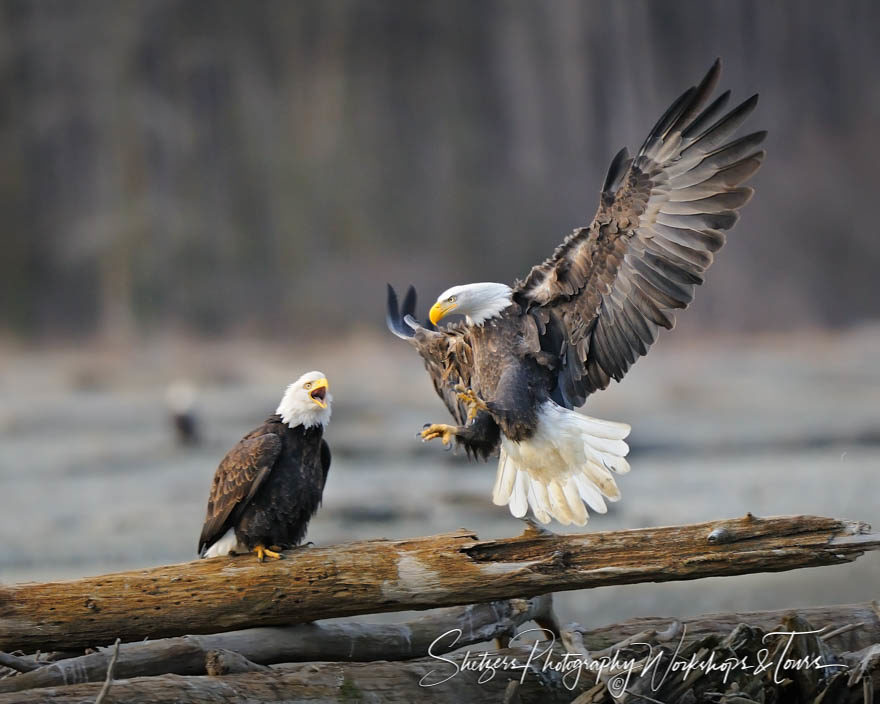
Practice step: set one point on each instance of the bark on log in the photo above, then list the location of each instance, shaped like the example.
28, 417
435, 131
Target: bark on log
393, 575
301, 643
324, 682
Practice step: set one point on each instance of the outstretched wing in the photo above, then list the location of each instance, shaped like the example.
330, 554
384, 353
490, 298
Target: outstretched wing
447, 353
236, 481
608, 288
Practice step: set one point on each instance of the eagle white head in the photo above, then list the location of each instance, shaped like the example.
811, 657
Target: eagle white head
477, 302
306, 401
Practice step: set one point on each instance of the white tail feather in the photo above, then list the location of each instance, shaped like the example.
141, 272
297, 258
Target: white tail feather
519, 501
537, 508
541, 507
504, 480
590, 494
576, 508
567, 463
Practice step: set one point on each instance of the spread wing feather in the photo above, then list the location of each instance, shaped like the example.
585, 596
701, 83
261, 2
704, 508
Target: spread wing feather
236, 481
609, 287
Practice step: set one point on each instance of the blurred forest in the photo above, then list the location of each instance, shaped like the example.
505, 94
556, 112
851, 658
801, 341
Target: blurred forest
255, 167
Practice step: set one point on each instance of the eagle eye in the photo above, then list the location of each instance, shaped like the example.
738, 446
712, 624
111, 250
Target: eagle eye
451, 299
307, 385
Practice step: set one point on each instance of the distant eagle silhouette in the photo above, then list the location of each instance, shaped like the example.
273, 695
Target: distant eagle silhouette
525, 357
270, 484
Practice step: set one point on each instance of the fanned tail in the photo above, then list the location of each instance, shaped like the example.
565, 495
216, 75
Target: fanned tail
567, 466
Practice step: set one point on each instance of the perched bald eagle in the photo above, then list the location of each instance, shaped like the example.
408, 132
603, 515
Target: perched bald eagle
269, 485
524, 357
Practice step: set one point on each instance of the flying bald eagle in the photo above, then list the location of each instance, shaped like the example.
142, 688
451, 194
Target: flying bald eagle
269, 485
524, 357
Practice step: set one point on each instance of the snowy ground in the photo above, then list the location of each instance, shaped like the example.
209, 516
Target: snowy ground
91, 480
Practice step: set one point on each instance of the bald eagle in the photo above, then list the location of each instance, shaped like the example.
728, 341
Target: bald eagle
269, 485
526, 356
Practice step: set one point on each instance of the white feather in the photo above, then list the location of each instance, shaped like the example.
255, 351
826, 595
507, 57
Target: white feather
576, 508
541, 505
558, 503
590, 494
504, 480
598, 428
564, 465
519, 501
615, 448
227, 545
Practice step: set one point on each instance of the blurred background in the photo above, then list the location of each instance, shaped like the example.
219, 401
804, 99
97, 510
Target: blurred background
201, 201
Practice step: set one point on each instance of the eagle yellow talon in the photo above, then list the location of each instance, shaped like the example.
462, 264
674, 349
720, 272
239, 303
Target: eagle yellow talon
445, 432
264, 552
474, 403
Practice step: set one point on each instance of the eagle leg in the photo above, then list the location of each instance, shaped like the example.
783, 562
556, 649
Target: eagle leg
475, 403
264, 552
438, 430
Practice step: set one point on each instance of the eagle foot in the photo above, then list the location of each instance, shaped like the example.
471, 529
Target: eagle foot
469, 396
446, 433
264, 552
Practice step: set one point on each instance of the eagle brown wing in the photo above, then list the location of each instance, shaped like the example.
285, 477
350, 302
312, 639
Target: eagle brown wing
447, 354
236, 481
449, 361
608, 288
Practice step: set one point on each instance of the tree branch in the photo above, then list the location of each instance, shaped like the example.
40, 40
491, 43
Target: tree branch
108, 681
394, 575
19, 664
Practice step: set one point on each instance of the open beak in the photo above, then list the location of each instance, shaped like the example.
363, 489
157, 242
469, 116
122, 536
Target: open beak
439, 310
318, 394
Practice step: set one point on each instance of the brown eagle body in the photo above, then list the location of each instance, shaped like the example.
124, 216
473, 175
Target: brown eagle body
528, 354
268, 487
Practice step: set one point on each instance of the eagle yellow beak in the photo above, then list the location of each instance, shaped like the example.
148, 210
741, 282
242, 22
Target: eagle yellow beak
318, 392
439, 310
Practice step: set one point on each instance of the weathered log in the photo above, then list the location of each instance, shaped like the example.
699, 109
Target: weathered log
861, 623
739, 643
301, 643
393, 575
479, 623
317, 683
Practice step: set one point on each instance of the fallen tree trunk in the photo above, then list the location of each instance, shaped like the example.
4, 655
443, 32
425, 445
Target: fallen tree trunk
394, 575
366, 642
301, 643
318, 683
797, 663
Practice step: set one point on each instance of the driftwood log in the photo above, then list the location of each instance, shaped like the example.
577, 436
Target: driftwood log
850, 628
325, 682
393, 575
539, 673
187, 655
